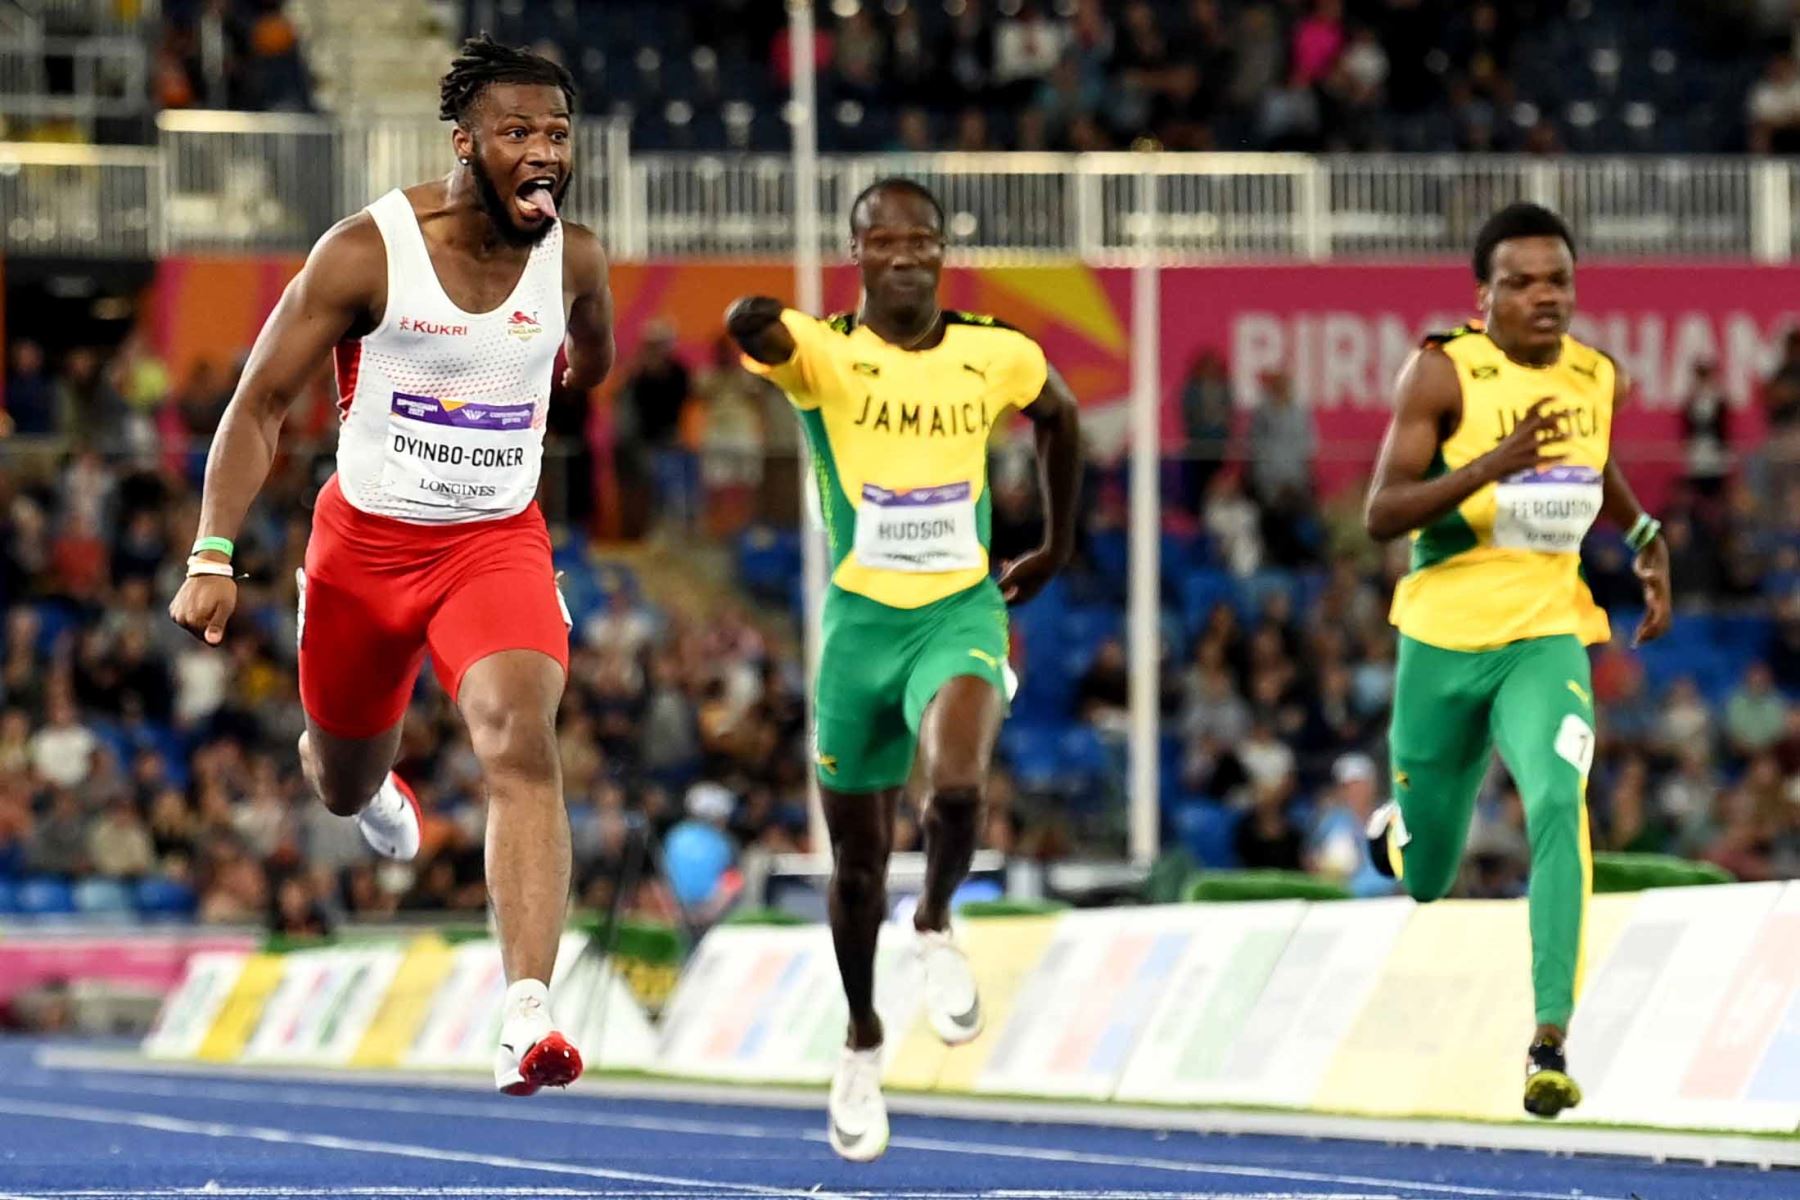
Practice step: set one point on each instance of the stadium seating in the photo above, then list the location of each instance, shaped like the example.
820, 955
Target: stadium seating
1612, 76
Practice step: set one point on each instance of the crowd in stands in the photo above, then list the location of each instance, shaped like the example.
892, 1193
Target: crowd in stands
143, 771
242, 55
1537, 76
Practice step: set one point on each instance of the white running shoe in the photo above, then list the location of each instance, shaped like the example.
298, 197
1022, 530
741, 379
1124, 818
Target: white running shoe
391, 821
951, 1000
1387, 836
859, 1121
531, 1053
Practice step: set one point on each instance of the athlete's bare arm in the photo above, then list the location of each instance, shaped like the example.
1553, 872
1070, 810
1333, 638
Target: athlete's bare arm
1427, 409
589, 344
1619, 504
754, 323
1055, 414
340, 292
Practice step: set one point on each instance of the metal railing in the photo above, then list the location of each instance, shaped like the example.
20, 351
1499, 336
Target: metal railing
271, 182
59, 201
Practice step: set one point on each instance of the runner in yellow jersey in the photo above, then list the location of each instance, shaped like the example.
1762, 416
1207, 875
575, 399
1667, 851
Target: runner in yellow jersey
1497, 461
898, 400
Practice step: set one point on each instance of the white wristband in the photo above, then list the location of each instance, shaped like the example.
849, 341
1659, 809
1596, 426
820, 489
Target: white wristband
208, 566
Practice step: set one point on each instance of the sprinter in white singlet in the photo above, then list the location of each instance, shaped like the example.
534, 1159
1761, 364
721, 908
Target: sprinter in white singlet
449, 306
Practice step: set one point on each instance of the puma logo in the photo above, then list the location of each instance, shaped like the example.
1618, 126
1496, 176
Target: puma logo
1484, 372
869, 369
979, 372
992, 662
1580, 694
1590, 370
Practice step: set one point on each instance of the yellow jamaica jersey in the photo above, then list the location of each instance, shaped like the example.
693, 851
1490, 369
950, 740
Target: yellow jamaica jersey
1506, 564
899, 446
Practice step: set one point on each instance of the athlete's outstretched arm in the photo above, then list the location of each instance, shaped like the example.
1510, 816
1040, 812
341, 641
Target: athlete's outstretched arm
1056, 416
1619, 504
1427, 406
589, 343
754, 323
333, 292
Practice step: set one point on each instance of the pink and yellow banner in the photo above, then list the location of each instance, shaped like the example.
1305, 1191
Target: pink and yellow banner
1340, 331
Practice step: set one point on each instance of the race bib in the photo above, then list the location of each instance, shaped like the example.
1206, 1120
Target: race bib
1548, 511
922, 530
461, 454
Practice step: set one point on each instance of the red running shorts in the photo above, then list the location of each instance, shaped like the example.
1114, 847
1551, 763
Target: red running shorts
379, 593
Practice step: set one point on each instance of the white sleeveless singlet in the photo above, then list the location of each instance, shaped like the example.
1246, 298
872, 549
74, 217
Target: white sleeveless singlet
443, 410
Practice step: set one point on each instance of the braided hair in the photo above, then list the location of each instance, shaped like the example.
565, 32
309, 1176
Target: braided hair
482, 61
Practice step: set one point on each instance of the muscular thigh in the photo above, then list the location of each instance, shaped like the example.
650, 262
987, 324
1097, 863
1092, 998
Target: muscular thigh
497, 593
1439, 743
362, 640
1544, 716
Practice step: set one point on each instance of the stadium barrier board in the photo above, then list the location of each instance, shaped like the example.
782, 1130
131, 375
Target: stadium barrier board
1690, 1018
420, 1004
1681, 1018
1278, 1052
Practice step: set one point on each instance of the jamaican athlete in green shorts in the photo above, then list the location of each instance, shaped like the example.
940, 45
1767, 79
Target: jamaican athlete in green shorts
1498, 460
898, 401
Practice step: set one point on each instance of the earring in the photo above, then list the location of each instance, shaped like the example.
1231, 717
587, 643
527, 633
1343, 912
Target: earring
463, 161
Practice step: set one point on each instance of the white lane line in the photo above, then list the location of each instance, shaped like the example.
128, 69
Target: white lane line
216, 1129
215, 1192
309, 1097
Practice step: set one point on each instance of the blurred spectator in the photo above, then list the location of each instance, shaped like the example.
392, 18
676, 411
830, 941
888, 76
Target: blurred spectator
1686, 798
118, 844
62, 751
913, 132
1234, 521
965, 59
699, 853
1774, 108
297, 912
59, 843
91, 409
1027, 45
652, 402
1319, 41
1283, 442
1635, 825
622, 629
1706, 431
858, 55
1756, 714
1781, 391
31, 403
734, 406
1103, 696
1206, 417
1337, 848
1266, 837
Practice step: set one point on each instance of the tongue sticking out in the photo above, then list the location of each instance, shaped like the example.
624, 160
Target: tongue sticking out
540, 199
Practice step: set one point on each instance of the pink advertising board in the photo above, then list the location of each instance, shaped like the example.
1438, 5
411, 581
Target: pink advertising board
149, 960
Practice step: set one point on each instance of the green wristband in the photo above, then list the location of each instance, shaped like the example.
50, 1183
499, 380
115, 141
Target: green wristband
1643, 532
216, 544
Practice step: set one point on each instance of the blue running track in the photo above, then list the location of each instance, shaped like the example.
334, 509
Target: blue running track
98, 1135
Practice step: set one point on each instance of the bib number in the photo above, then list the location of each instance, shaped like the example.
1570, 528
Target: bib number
458, 454
1546, 511
923, 530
